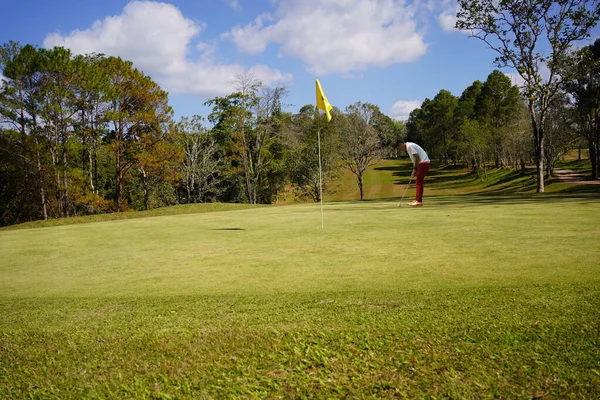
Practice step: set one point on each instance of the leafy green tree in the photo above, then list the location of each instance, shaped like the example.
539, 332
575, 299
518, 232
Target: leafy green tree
468, 139
90, 89
138, 113
467, 101
20, 109
441, 124
302, 155
583, 84
561, 134
388, 131
517, 139
416, 125
531, 36
247, 125
58, 117
495, 106
266, 151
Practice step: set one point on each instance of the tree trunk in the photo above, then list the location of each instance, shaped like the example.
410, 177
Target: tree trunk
538, 146
360, 185
118, 182
597, 169
145, 188
65, 181
40, 177
40, 171
593, 157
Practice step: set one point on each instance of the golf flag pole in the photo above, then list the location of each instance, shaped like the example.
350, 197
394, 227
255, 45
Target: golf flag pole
320, 177
322, 104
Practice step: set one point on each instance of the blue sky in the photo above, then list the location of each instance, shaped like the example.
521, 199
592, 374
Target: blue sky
391, 53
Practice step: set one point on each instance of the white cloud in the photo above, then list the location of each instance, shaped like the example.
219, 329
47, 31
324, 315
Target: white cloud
447, 21
156, 37
337, 35
447, 17
516, 79
3, 78
402, 108
235, 4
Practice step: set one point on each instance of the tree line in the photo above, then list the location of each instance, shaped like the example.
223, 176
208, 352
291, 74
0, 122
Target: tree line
490, 122
92, 134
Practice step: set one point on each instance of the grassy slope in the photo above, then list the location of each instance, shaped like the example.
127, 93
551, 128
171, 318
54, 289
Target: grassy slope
470, 297
388, 179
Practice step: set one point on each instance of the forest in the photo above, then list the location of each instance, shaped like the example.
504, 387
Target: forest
88, 134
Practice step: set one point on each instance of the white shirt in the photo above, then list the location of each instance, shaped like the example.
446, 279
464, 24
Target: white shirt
412, 149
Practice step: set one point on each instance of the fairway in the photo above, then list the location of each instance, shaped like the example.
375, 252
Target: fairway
468, 297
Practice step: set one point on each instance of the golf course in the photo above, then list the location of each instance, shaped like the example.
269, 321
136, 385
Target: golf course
488, 291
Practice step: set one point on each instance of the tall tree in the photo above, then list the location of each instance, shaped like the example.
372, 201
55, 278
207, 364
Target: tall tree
416, 126
470, 132
359, 140
495, 106
57, 115
441, 125
137, 113
89, 98
201, 166
247, 126
266, 139
560, 132
389, 131
302, 157
583, 84
20, 109
521, 32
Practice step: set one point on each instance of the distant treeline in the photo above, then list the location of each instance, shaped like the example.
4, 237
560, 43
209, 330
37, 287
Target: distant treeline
92, 134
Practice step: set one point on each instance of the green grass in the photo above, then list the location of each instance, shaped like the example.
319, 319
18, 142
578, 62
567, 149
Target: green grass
157, 212
473, 296
387, 180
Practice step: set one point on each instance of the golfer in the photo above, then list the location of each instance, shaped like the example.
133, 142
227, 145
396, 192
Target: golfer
420, 161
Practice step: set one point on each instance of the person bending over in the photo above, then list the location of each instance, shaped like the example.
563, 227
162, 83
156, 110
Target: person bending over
420, 161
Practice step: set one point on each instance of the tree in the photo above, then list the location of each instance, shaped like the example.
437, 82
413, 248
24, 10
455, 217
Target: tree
201, 166
495, 106
416, 125
467, 101
302, 157
469, 129
138, 111
560, 132
441, 124
247, 127
90, 90
389, 131
57, 114
583, 84
20, 108
521, 32
265, 149
517, 139
359, 140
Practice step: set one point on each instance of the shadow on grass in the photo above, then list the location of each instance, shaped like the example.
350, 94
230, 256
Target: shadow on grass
505, 199
478, 199
436, 174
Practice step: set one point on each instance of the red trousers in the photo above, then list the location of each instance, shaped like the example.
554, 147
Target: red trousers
422, 170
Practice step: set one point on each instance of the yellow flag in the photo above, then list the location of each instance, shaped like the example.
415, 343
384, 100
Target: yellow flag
322, 102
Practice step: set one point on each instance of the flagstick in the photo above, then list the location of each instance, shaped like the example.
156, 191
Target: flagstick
320, 178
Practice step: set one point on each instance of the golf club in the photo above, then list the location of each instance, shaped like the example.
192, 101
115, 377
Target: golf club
402, 199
